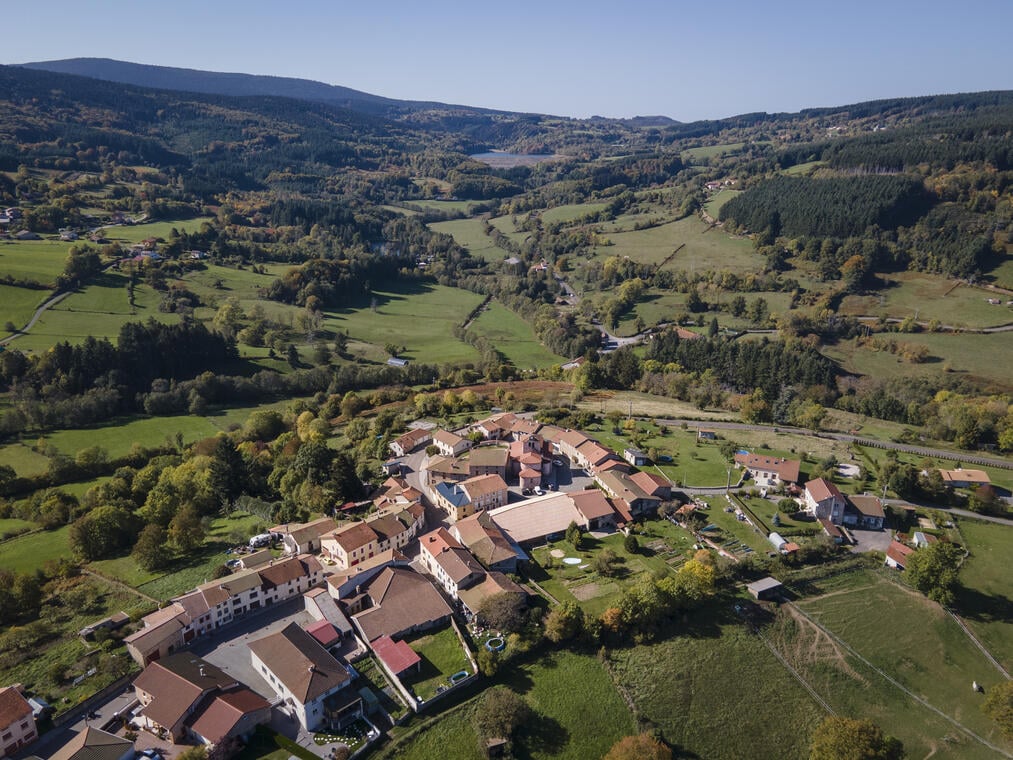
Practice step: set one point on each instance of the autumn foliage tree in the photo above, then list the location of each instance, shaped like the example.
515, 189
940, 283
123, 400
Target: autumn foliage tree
839, 738
640, 747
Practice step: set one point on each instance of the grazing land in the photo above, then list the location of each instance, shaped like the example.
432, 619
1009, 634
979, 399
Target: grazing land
570, 212
38, 260
719, 199
135, 233
984, 599
513, 337
28, 553
19, 304
701, 154
469, 233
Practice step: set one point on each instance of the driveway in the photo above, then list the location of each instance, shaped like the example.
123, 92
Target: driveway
871, 540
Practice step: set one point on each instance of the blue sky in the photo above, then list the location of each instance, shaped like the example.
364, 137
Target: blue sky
687, 60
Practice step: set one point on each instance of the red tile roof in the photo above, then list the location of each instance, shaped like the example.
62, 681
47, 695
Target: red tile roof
324, 632
396, 655
898, 552
822, 489
13, 706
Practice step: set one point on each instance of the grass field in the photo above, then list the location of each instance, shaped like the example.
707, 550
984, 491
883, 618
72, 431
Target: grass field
469, 233
693, 155
917, 644
421, 317
138, 232
719, 199
702, 251
21, 457
806, 168
505, 224
927, 297
984, 600
118, 439
1002, 275
442, 656
26, 554
463, 207
513, 337
38, 260
570, 212
716, 691
984, 356
18, 304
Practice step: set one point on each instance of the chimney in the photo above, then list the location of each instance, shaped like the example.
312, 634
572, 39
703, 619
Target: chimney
202, 673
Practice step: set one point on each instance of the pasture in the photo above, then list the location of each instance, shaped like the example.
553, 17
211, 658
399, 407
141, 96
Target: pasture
28, 553
18, 304
120, 437
421, 317
38, 260
469, 234
506, 225
927, 297
702, 250
706, 152
135, 233
569, 212
719, 199
984, 598
513, 337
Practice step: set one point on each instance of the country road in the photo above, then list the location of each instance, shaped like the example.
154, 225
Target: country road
35, 317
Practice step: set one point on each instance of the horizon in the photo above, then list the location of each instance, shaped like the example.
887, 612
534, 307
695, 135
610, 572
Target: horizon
655, 59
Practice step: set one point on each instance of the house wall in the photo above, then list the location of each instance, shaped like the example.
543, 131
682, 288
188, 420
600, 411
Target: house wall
17, 734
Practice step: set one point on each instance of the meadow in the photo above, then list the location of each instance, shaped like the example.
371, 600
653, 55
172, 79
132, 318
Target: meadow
421, 317
719, 199
570, 212
135, 233
705, 152
513, 337
984, 597
38, 260
469, 234
19, 304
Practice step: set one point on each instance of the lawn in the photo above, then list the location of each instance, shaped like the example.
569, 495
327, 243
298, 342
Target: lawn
927, 297
513, 337
701, 251
37, 260
984, 599
19, 304
469, 233
715, 691
918, 645
421, 317
442, 656
694, 463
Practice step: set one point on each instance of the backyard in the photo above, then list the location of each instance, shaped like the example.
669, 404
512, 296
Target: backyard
442, 656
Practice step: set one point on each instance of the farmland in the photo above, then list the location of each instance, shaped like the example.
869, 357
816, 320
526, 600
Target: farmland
513, 337
38, 260
469, 233
984, 597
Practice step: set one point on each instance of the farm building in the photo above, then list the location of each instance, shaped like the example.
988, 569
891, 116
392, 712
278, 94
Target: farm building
765, 589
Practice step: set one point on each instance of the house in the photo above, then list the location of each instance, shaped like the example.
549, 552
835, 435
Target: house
653, 484
864, 512
17, 725
706, 435
447, 468
396, 656
597, 512
569, 442
189, 699
591, 455
324, 632
897, 554
768, 471
921, 539
831, 530
530, 522
309, 680
823, 500
388, 529
396, 602
487, 543
488, 460
410, 441
765, 589
26, 235
961, 478
448, 562
255, 559
95, 744
619, 485
493, 583
635, 456
305, 539
324, 609
476, 494
450, 444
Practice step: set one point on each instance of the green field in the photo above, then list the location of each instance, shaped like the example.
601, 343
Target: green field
719, 199
18, 305
469, 233
513, 337
927, 297
26, 554
703, 250
570, 212
21, 457
421, 317
984, 599
1002, 275
138, 232
806, 168
916, 643
505, 224
694, 155
37, 260
716, 691
984, 356
463, 207
118, 439
442, 656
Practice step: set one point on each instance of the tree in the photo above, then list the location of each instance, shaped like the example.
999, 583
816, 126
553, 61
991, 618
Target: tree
503, 611
573, 535
933, 571
605, 562
738, 306
839, 738
292, 356
564, 622
193, 753
998, 706
500, 713
631, 545
151, 551
640, 747
186, 530
104, 532
712, 328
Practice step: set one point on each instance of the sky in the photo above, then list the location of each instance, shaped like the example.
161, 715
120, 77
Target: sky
685, 60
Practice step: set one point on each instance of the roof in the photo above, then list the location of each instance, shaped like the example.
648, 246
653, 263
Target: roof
313, 529
13, 706
526, 426
787, 469
830, 529
483, 485
484, 539
324, 631
965, 476
592, 504
447, 438
534, 518
289, 570
453, 493
867, 506
257, 558
93, 744
528, 473
413, 438
573, 438
650, 482
396, 655
458, 564
622, 486
595, 453
493, 583
822, 489
402, 599
300, 663
437, 541
764, 584
447, 466
489, 456
354, 536
898, 552
223, 713
175, 683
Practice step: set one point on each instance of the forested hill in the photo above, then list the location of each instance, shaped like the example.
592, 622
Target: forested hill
222, 83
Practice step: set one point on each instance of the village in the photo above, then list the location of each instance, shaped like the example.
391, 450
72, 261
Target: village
331, 631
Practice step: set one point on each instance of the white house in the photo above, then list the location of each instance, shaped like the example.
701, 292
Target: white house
450, 444
824, 501
17, 726
448, 562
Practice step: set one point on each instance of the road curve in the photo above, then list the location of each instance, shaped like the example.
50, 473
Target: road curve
35, 317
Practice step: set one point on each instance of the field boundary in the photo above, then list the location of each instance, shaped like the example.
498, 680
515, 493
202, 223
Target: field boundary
899, 685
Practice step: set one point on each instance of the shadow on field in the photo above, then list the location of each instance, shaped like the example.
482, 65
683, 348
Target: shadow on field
984, 608
396, 291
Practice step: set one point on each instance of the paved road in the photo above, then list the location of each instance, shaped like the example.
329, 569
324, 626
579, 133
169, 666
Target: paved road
35, 317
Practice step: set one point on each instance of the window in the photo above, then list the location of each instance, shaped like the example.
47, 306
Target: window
7, 736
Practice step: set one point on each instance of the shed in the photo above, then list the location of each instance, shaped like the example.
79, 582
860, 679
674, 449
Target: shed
395, 361
765, 588
777, 540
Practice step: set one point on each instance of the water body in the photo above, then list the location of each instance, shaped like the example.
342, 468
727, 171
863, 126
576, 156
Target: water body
503, 160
